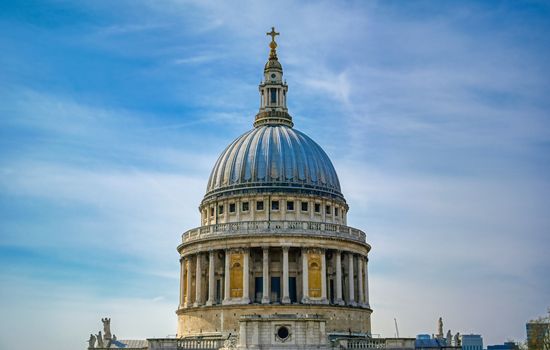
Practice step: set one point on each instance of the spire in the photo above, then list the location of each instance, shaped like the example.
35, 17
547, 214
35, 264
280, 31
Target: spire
273, 110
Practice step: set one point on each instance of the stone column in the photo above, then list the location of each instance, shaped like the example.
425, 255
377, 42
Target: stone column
246, 276
211, 279
182, 281
242, 335
360, 284
323, 277
367, 304
188, 297
286, 297
265, 278
226, 286
198, 281
305, 276
339, 299
351, 280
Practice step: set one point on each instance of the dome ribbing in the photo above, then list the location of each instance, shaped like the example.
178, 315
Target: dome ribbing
274, 157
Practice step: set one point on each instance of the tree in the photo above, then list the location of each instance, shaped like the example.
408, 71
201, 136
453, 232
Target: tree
538, 333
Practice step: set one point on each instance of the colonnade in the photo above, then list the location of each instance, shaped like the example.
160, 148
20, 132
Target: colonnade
343, 282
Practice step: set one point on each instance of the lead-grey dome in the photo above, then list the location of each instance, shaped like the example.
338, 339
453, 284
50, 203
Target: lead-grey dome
274, 158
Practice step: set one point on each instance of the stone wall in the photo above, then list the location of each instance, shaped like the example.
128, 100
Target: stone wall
225, 319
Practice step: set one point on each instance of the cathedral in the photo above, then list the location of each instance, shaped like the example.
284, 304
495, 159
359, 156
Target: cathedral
273, 264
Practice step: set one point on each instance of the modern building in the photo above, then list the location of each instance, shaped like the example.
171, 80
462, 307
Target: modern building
472, 342
427, 342
505, 346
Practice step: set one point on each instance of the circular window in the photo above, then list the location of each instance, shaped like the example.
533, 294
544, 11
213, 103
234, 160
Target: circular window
283, 332
273, 76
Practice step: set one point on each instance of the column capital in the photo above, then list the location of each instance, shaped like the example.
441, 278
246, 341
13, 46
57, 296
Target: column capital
235, 250
285, 248
315, 250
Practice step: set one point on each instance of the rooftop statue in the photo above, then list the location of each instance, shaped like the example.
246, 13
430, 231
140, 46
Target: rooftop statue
106, 327
99, 340
91, 342
457, 339
440, 328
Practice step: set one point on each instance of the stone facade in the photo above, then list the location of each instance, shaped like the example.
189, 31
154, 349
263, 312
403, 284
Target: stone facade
274, 247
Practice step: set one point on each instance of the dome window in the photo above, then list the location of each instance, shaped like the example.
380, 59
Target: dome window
327, 210
244, 206
335, 211
231, 207
274, 205
211, 211
220, 209
304, 206
290, 205
260, 205
317, 208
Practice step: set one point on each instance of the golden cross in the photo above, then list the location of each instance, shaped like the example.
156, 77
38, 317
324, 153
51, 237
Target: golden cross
273, 33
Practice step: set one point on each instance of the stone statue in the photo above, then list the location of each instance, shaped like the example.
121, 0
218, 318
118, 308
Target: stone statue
457, 339
106, 327
99, 340
91, 342
449, 337
230, 343
440, 328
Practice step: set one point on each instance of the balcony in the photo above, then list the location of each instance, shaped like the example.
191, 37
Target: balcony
259, 228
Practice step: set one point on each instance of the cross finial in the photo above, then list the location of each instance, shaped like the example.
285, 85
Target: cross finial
273, 33
273, 44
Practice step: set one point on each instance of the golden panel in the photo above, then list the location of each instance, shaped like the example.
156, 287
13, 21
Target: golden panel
314, 275
236, 275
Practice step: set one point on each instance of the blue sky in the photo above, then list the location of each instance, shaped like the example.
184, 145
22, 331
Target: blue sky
435, 114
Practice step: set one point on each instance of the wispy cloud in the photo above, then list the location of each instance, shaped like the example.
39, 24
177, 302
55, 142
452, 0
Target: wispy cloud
435, 116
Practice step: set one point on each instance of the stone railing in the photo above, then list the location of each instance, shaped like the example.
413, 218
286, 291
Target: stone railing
374, 343
190, 343
274, 227
365, 343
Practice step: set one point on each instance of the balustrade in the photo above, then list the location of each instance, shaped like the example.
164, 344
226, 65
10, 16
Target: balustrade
274, 227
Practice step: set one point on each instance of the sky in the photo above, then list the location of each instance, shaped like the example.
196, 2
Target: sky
434, 113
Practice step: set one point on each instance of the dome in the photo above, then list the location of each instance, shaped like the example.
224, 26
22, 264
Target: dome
274, 158
273, 65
